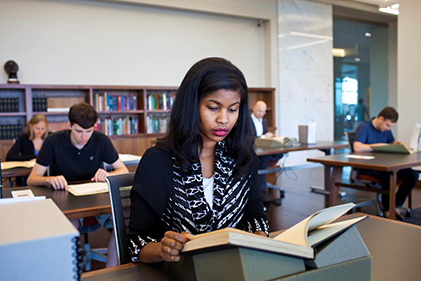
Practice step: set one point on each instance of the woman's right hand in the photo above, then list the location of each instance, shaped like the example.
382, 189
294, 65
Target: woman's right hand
171, 245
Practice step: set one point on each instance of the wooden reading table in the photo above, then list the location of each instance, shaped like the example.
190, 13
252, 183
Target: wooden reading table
72, 206
391, 260
387, 162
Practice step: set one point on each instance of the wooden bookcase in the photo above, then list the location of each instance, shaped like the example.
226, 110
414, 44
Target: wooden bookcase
133, 116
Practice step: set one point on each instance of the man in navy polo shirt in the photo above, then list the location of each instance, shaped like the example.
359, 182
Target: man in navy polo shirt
78, 154
377, 132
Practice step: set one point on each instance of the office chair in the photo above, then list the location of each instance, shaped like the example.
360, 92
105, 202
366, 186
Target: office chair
368, 183
119, 190
272, 168
88, 254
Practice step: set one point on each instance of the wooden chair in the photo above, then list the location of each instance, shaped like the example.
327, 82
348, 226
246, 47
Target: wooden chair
119, 190
368, 183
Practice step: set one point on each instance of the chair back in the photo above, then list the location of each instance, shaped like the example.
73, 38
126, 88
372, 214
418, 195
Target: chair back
119, 190
351, 138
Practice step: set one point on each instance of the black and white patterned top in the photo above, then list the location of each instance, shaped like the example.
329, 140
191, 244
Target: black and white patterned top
164, 199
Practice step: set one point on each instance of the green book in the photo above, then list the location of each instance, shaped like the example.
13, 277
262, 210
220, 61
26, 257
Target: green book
393, 148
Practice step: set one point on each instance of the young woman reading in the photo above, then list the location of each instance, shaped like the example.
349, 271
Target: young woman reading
202, 175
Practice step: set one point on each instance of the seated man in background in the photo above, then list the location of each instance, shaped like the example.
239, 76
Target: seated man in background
78, 154
261, 131
260, 123
377, 132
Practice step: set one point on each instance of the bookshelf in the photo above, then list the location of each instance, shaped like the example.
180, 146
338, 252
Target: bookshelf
133, 116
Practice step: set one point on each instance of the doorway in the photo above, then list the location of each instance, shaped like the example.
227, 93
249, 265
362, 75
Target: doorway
360, 73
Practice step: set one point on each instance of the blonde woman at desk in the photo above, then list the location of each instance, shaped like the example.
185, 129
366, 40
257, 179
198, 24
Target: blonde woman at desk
28, 145
202, 175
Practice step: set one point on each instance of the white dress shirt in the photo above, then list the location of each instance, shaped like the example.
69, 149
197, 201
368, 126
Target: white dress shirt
258, 124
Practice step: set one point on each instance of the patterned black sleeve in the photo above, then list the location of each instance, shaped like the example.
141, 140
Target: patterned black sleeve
136, 243
149, 197
257, 224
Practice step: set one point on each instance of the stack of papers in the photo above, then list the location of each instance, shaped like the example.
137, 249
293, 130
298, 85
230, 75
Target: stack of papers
17, 164
365, 157
88, 188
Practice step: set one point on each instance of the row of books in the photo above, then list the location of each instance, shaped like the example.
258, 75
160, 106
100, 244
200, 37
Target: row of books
160, 101
118, 126
115, 102
57, 126
10, 131
9, 105
39, 104
157, 124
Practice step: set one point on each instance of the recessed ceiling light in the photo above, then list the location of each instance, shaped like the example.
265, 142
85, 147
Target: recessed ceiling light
357, 59
390, 9
367, 34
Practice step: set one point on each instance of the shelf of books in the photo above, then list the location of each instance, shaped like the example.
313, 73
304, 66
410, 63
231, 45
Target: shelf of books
12, 111
122, 110
159, 103
54, 102
268, 96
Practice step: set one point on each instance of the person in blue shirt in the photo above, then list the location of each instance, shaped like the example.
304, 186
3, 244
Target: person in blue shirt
377, 131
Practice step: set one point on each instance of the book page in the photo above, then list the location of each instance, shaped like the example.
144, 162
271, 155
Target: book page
298, 233
88, 188
326, 231
328, 215
129, 158
223, 230
230, 237
17, 164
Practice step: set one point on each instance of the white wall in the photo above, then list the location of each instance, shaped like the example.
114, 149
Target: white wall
305, 71
409, 67
305, 67
98, 42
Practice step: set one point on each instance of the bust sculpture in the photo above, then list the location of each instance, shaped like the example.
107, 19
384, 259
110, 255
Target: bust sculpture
11, 68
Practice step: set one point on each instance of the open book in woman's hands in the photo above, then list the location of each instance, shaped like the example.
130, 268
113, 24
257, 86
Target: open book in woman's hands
295, 241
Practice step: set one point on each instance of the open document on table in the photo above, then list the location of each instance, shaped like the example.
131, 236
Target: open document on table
88, 188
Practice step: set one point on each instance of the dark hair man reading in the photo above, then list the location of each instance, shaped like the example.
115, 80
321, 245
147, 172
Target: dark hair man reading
377, 132
77, 154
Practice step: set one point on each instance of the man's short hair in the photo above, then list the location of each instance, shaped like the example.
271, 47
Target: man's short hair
389, 113
83, 114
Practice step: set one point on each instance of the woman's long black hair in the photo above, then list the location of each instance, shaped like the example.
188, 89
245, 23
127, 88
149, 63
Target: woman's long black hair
183, 138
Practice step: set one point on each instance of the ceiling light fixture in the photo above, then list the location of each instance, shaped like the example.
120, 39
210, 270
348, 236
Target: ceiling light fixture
390, 9
340, 53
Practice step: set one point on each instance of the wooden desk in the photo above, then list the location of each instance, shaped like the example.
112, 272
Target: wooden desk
16, 172
128, 159
72, 206
324, 146
387, 162
390, 261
